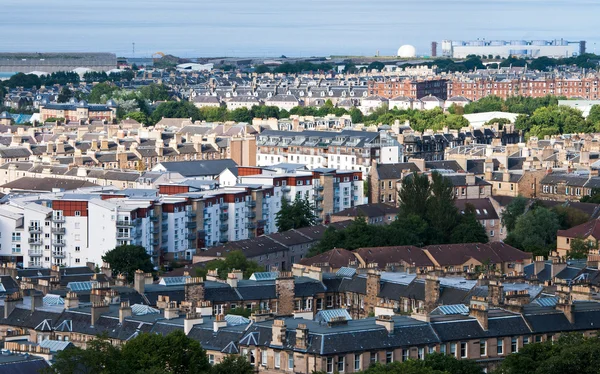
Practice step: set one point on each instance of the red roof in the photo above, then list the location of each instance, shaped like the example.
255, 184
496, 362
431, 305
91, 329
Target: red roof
582, 231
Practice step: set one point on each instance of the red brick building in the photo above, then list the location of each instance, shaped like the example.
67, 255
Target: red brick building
414, 89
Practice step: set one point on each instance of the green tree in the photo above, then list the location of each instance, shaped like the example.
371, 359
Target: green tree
240, 115
535, 231
414, 193
569, 217
593, 198
442, 214
174, 353
469, 229
137, 116
100, 357
261, 69
449, 363
232, 364
154, 92
296, 215
593, 117
101, 92
580, 248
176, 109
234, 260
126, 259
376, 65
65, 95
513, 211
356, 115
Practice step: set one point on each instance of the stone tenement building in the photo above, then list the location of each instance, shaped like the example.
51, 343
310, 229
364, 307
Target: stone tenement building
411, 88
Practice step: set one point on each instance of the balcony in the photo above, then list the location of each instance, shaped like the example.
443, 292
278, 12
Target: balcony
155, 242
261, 222
224, 206
58, 218
190, 236
318, 188
190, 225
32, 253
35, 229
251, 215
58, 254
154, 218
35, 241
155, 230
16, 251
319, 209
125, 223
164, 226
34, 264
251, 204
58, 230
191, 214
223, 239
164, 216
58, 242
224, 216
124, 236
318, 198
223, 227
250, 225
285, 189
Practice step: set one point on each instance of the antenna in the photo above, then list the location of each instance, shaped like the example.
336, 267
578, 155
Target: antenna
133, 49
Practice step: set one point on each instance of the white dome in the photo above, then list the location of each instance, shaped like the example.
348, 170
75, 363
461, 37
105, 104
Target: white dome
407, 51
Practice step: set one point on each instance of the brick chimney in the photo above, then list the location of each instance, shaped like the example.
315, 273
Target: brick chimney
284, 286
98, 309
171, 311
516, 299
479, 310
124, 311
558, 265
219, 322
10, 303
191, 319
194, 290
232, 280
538, 264
302, 336
432, 293
387, 322
565, 305
373, 287
495, 293
140, 279
278, 332
71, 301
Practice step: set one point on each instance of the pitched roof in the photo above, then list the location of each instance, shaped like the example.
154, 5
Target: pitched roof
201, 167
46, 184
590, 228
383, 256
336, 258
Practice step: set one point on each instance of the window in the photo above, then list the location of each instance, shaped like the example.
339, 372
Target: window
263, 359
77, 249
291, 361
389, 357
525, 340
538, 338
514, 345
77, 225
340, 364
482, 348
492, 233
463, 349
374, 359
77, 260
329, 301
77, 213
211, 359
319, 302
405, 354
277, 359
421, 353
356, 362
443, 348
77, 237
500, 346
329, 366
453, 349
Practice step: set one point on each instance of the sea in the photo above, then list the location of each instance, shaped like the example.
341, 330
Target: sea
271, 28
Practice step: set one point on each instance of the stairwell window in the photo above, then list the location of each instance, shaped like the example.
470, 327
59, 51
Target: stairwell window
277, 359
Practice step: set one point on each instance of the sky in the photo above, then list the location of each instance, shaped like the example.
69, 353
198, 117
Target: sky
270, 28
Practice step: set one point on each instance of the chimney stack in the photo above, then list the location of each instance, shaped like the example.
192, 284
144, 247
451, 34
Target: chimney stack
191, 319
194, 290
387, 322
278, 332
302, 336
171, 311
232, 280
432, 293
495, 293
284, 286
124, 311
97, 310
219, 322
479, 310
10, 303
71, 301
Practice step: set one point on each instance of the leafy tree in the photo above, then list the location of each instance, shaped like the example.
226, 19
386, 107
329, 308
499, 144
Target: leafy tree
513, 211
593, 198
376, 65
413, 194
65, 95
154, 92
137, 116
449, 363
580, 248
441, 212
572, 353
356, 115
569, 217
101, 93
99, 357
214, 114
233, 260
593, 117
240, 115
126, 259
535, 231
261, 69
233, 364
296, 215
176, 109
469, 229
175, 353
23, 80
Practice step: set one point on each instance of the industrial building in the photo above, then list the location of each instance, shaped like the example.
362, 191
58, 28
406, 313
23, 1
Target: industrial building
26, 62
518, 48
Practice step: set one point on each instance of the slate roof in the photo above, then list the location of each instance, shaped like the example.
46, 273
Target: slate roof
585, 230
368, 210
394, 171
46, 184
383, 256
200, 167
336, 258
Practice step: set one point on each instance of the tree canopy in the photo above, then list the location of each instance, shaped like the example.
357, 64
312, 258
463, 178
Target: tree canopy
233, 260
535, 231
126, 259
295, 215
